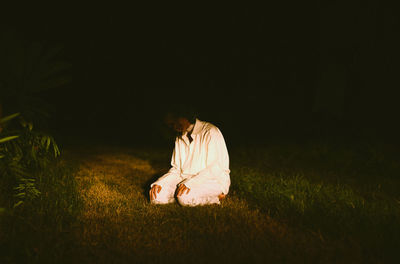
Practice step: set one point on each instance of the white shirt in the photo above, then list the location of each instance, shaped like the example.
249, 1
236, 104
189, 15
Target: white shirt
206, 157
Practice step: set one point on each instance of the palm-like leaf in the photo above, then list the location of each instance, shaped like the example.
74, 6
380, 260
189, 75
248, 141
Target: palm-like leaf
2, 140
8, 118
23, 156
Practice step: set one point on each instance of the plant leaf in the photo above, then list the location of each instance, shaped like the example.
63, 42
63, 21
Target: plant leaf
8, 118
18, 204
48, 143
7, 139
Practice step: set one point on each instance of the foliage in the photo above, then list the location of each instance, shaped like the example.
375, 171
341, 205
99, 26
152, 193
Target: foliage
27, 70
25, 155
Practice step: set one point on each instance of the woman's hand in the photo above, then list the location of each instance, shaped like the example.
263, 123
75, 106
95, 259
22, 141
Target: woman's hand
154, 190
181, 190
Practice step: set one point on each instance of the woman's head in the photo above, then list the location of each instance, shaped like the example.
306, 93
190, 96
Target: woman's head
180, 117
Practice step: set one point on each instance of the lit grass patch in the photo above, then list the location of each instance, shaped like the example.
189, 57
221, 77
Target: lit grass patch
337, 206
281, 209
117, 215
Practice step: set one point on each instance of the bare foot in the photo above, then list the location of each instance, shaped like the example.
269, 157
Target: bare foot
221, 196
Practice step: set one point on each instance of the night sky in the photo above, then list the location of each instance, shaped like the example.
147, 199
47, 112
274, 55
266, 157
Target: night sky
292, 69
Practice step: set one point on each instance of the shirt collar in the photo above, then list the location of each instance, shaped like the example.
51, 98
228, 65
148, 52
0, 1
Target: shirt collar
196, 130
197, 127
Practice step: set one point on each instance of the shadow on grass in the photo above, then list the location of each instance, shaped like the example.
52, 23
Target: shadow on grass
146, 185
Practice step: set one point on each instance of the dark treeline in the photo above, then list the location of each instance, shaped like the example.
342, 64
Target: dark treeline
293, 69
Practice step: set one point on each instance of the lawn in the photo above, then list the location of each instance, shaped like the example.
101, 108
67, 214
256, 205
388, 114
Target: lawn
288, 203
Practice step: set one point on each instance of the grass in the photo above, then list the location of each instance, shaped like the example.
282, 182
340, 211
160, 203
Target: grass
39, 231
287, 204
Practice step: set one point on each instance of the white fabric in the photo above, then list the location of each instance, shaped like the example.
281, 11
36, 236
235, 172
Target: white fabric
204, 194
199, 162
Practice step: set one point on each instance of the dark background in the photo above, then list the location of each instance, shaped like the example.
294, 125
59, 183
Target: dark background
292, 70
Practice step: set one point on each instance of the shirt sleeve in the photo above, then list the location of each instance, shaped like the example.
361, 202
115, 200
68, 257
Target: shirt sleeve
174, 173
217, 164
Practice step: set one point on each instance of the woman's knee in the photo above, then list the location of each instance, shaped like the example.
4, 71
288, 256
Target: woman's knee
187, 200
190, 200
164, 197
160, 201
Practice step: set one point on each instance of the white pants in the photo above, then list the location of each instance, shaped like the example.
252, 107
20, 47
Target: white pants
207, 193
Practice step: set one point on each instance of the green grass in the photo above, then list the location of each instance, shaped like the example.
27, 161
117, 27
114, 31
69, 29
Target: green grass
287, 204
343, 195
39, 230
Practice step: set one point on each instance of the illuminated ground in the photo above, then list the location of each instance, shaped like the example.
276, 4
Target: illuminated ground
288, 203
119, 223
